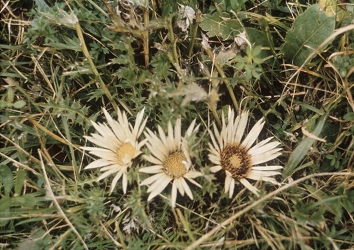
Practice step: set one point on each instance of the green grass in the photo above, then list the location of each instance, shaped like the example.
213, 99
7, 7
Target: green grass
63, 61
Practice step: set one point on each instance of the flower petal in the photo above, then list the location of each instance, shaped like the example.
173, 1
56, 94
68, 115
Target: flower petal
158, 187
249, 186
152, 169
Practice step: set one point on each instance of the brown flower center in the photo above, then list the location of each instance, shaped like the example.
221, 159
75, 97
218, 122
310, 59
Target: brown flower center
125, 153
174, 166
236, 160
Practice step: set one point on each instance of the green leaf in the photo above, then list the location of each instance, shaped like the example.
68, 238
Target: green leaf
220, 25
72, 44
6, 179
10, 95
302, 149
257, 37
309, 30
349, 116
5, 204
4, 104
27, 200
19, 104
20, 178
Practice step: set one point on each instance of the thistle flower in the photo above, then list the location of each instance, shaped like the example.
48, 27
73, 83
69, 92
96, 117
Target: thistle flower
239, 159
117, 145
172, 162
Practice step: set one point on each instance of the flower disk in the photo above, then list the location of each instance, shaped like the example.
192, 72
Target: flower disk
239, 159
174, 166
234, 158
117, 145
170, 154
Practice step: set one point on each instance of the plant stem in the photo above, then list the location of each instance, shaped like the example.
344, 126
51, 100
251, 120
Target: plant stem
194, 34
222, 74
146, 36
92, 65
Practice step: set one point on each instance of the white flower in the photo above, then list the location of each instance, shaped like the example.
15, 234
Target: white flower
185, 17
238, 158
172, 162
117, 145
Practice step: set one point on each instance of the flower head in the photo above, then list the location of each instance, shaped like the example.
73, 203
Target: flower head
239, 159
172, 162
117, 145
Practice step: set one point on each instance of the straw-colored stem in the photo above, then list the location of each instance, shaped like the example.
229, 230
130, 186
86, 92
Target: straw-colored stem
92, 65
225, 80
146, 36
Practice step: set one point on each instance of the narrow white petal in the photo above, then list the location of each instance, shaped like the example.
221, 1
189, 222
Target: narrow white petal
214, 158
163, 137
215, 169
121, 131
231, 188
98, 127
105, 154
98, 163
139, 145
177, 137
142, 127
264, 148
190, 129
173, 195
107, 173
241, 126
139, 118
228, 180
264, 178
159, 152
156, 151
152, 170
192, 174
259, 145
266, 168
125, 182
259, 174
116, 178
179, 185
156, 185
215, 144
253, 134
170, 140
160, 187
233, 131
152, 179
213, 150
249, 186
114, 166
186, 188
267, 156
194, 182
107, 115
218, 137
152, 159
103, 141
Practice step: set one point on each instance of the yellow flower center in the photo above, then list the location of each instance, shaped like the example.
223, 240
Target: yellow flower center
236, 160
174, 166
125, 153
